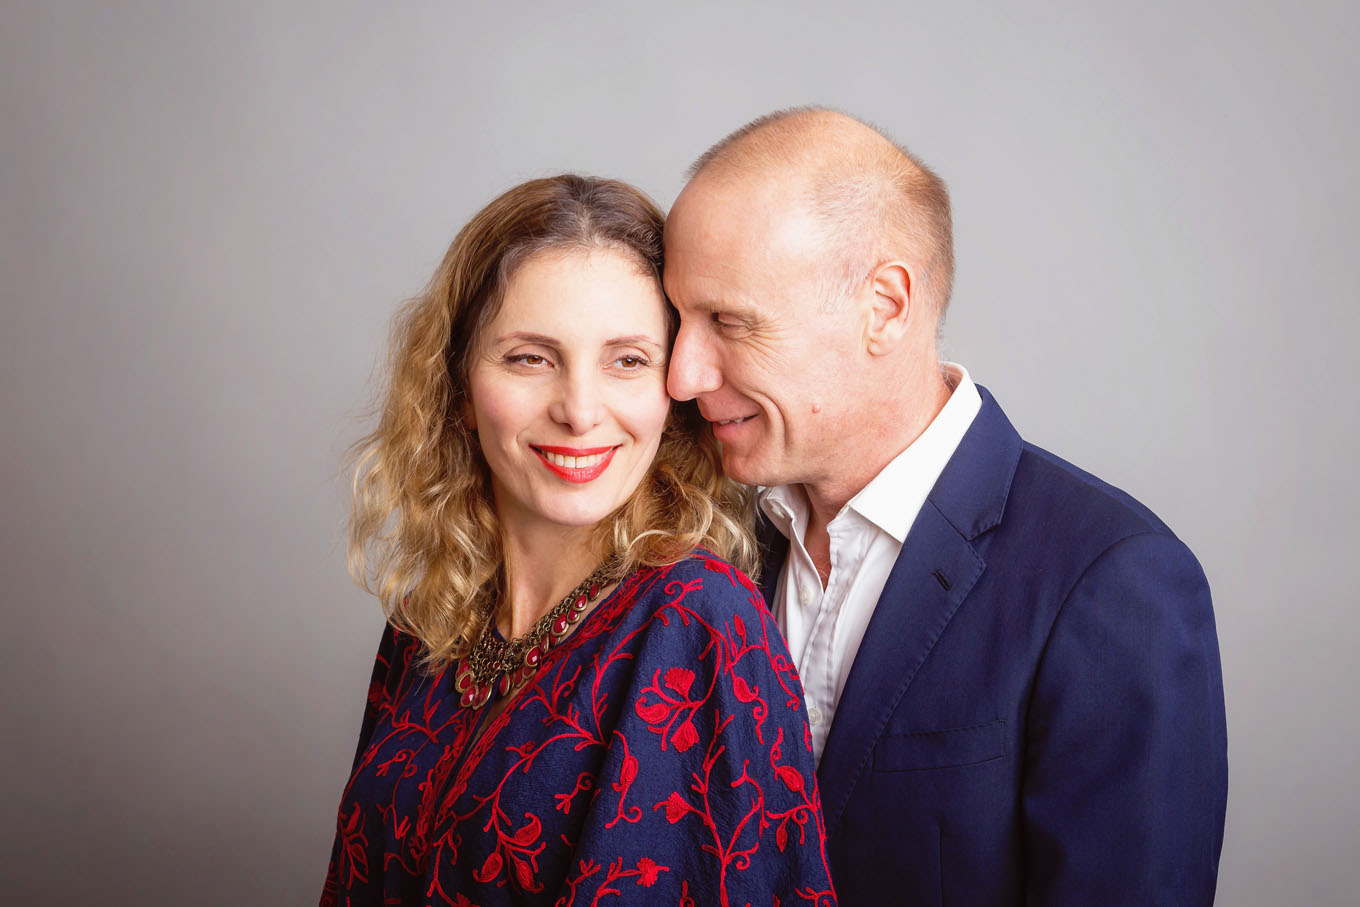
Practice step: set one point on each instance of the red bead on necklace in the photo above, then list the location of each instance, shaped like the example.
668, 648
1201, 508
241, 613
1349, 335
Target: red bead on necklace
517, 661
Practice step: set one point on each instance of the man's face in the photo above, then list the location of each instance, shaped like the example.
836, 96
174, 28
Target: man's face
770, 366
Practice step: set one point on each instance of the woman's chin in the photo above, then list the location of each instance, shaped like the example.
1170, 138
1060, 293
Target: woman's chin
575, 516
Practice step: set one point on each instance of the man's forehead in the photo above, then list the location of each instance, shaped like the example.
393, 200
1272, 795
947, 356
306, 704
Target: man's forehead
726, 195
738, 228
704, 279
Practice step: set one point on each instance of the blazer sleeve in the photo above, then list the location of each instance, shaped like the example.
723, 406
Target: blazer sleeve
1126, 770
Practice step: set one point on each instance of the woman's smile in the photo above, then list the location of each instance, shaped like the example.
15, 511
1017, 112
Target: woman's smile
576, 464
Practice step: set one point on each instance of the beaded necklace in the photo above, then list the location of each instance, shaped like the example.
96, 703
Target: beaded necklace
517, 660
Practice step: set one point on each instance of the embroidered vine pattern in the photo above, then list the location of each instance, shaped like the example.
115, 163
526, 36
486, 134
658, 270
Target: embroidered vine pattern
677, 705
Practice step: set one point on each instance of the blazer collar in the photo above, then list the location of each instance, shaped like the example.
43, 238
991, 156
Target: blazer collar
971, 492
774, 548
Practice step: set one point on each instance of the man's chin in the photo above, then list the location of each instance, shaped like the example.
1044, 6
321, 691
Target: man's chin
747, 471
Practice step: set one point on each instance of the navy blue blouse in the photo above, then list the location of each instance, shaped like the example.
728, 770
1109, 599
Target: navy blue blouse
660, 756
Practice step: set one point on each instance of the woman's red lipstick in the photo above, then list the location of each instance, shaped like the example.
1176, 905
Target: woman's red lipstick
599, 458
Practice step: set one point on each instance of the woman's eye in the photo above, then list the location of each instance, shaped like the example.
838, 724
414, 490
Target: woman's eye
631, 362
530, 359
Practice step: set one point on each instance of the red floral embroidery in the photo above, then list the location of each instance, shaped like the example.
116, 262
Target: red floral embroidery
648, 870
676, 694
584, 782
684, 737
676, 808
791, 778
680, 680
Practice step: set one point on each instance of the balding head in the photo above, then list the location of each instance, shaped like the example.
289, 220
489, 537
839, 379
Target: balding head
872, 198
809, 260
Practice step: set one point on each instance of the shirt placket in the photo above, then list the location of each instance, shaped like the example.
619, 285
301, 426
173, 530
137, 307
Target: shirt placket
844, 542
812, 602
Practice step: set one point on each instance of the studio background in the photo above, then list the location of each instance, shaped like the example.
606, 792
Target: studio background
210, 211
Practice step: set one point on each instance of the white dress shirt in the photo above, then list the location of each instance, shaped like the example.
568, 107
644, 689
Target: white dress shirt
824, 627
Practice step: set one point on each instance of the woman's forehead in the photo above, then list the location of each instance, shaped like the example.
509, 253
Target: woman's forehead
584, 294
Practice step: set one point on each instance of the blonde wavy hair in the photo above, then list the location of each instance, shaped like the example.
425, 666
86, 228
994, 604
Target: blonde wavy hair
423, 534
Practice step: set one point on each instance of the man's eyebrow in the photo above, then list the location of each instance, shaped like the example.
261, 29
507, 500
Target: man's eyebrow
731, 303
734, 309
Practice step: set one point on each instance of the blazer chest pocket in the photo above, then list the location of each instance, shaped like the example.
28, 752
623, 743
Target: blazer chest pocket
915, 751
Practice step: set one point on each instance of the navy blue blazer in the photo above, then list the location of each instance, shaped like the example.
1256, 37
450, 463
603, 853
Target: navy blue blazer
1035, 715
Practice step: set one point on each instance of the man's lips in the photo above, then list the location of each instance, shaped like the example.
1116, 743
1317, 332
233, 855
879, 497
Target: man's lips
729, 430
575, 464
728, 418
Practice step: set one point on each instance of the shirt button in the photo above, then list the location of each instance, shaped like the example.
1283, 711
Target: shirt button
805, 595
814, 714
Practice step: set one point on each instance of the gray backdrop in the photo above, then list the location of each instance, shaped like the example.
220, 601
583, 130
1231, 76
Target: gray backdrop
209, 212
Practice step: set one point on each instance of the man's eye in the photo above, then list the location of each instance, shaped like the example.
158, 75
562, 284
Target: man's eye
726, 321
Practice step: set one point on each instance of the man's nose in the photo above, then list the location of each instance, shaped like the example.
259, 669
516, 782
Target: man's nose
693, 369
580, 401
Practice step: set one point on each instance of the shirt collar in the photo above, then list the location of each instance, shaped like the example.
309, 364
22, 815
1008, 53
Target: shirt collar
892, 500
786, 506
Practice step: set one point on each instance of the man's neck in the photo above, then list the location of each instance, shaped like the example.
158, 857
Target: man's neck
827, 497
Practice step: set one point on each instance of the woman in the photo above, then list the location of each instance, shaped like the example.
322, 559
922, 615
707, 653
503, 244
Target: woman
578, 701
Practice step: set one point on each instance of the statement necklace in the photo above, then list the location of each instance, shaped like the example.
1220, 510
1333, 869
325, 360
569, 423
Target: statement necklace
517, 661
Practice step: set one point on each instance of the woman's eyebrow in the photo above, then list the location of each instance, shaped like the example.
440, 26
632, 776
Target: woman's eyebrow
632, 338
530, 337
546, 340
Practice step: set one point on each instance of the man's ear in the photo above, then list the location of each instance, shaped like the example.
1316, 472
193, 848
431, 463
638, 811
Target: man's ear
892, 308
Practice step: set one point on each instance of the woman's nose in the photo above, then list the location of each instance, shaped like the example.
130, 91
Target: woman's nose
579, 403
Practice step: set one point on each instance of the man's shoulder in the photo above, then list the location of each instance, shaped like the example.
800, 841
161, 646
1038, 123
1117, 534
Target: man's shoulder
1062, 529
1057, 488
1060, 521
1000, 481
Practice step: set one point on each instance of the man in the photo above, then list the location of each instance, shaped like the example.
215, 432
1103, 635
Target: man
1011, 668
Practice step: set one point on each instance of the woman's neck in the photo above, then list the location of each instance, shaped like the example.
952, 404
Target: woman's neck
541, 566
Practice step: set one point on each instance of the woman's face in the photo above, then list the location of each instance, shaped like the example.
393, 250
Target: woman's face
568, 388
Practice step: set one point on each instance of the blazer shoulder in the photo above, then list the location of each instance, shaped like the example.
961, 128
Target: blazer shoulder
1062, 494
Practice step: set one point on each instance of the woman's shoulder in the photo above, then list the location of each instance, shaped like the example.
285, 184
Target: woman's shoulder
701, 590
706, 581
399, 652
704, 639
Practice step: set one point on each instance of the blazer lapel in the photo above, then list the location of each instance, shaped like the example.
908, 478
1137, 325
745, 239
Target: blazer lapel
931, 578
773, 549
934, 573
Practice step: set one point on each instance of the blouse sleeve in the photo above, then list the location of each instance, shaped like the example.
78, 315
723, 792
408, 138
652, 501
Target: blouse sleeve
388, 666
707, 793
